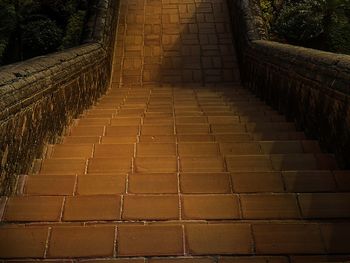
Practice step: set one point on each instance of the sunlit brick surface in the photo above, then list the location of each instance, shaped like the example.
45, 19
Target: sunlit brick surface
178, 163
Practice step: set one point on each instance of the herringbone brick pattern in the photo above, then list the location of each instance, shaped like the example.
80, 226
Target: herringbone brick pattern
178, 163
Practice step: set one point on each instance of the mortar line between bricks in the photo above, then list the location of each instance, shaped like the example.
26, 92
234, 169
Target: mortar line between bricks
115, 242
121, 207
75, 187
47, 243
62, 209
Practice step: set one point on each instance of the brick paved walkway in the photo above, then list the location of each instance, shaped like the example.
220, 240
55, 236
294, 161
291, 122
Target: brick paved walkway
163, 169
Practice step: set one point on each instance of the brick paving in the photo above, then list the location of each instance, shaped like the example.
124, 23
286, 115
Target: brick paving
178, 163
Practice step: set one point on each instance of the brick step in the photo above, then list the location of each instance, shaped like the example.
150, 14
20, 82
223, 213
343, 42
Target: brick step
214, 163
174, 207
189, 183
175, 240
181, 148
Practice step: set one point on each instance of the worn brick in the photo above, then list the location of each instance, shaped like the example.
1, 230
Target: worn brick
325, 205
156, 164
63, 166
198, 149
109, 165
156, 149
113, 150
150, 240
33, 208
23, 242
50, 185
269, 206
252, 182
82, 208
287, 238
309, 181
218, 239
210, 207
240, 148
202, 164
151, 207
196, 183
81, 241
160, 183
101, 184
72, 151
248, 163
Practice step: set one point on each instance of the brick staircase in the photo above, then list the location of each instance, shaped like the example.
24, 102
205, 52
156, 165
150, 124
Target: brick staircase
179, 172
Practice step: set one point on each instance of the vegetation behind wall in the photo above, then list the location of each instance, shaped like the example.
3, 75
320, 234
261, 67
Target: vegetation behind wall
30, 28
319, 24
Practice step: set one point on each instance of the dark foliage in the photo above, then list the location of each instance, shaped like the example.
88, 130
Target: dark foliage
30, 28
320, 24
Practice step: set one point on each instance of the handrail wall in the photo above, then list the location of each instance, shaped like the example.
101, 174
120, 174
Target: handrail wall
40, 97
308, 86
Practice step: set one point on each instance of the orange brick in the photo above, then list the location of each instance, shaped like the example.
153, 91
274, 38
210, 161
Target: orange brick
228, 128
153, 183
223, 119
192, 128
210, 207
33, 208
293, 162
191, 120
283, 147
198, 149
156, 164
50, 185
233, 137
81, 139
202, 164
195, 138
126, 121
248, 163
23, 242
151, 207
240, 148
309, 181
158, 138
275, 238
252, 182
72, 151
109, 165
87, 131
81, 241
156, 149
196, 183
93, 122
214, 239
122, 130
113, 150
63, 166
101, 184
269, 206
325, 205
118, 139
150, 240
95, 207
157, 130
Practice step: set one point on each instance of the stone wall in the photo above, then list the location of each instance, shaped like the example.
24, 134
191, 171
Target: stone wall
41, 96
310, 87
